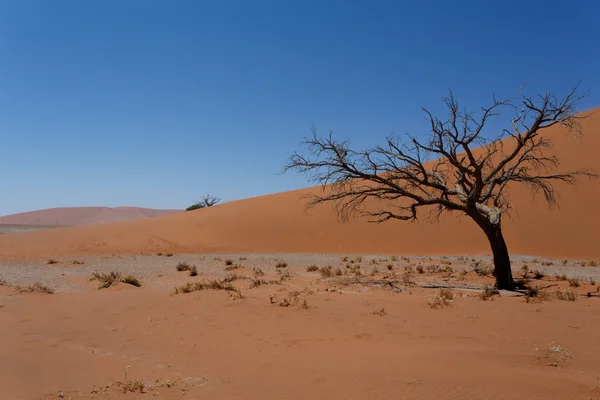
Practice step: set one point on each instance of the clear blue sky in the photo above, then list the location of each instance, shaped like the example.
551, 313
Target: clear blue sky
154, 103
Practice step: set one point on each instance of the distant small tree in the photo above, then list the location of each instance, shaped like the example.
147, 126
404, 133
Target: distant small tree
447, 172
206, 201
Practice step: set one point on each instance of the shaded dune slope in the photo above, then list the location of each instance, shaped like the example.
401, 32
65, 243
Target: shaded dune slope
278, 224
74, 216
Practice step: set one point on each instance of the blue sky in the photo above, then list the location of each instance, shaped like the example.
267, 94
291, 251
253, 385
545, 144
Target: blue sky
155, 103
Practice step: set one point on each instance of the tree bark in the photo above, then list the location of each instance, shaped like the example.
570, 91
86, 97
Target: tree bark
493, 231
502, 267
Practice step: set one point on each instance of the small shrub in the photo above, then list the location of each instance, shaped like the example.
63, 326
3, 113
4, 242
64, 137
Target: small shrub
193, 271
77, 262
561, 277
390, 267
326, 272
358, 259
442, 299
228, 262
592, 281
374, 271
537, 274
338, 271
482, 270
51, 261
344, 259
406, 277
593, 263
488, 292
232, 267
243, 258
547, 263
281, 264
394, 258
168, 254
312, 268
257, 271
573, 282
565, 295
183, 266
533, 291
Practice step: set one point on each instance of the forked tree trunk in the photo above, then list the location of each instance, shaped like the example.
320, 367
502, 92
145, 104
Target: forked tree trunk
502, 269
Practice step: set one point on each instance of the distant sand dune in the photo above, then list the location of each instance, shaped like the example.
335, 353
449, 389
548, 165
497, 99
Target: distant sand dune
278, 224
74, 216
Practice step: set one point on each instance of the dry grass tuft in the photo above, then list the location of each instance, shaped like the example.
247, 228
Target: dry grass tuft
232, 278
281, 264
35, 288
555, 355
488, 292
482, 270
112, 278
284, 275
380, 312
132, 386
257, 271
442, 299
561, 277
232, 267
51, 261
208, 285
77, 262
193, 271
406, 277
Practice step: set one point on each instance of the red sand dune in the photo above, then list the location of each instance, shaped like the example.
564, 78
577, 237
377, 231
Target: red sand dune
73, 216
278, 224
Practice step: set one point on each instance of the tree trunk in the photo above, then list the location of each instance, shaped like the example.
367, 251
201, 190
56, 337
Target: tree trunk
502, 270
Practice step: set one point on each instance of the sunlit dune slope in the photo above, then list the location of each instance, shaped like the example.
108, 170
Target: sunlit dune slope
279, 224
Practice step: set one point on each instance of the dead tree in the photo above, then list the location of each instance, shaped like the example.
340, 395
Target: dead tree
206, 201
459, 167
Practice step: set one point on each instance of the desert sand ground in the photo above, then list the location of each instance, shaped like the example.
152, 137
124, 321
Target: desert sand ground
376, 331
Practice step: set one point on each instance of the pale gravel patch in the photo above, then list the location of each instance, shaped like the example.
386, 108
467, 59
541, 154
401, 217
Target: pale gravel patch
159, 271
